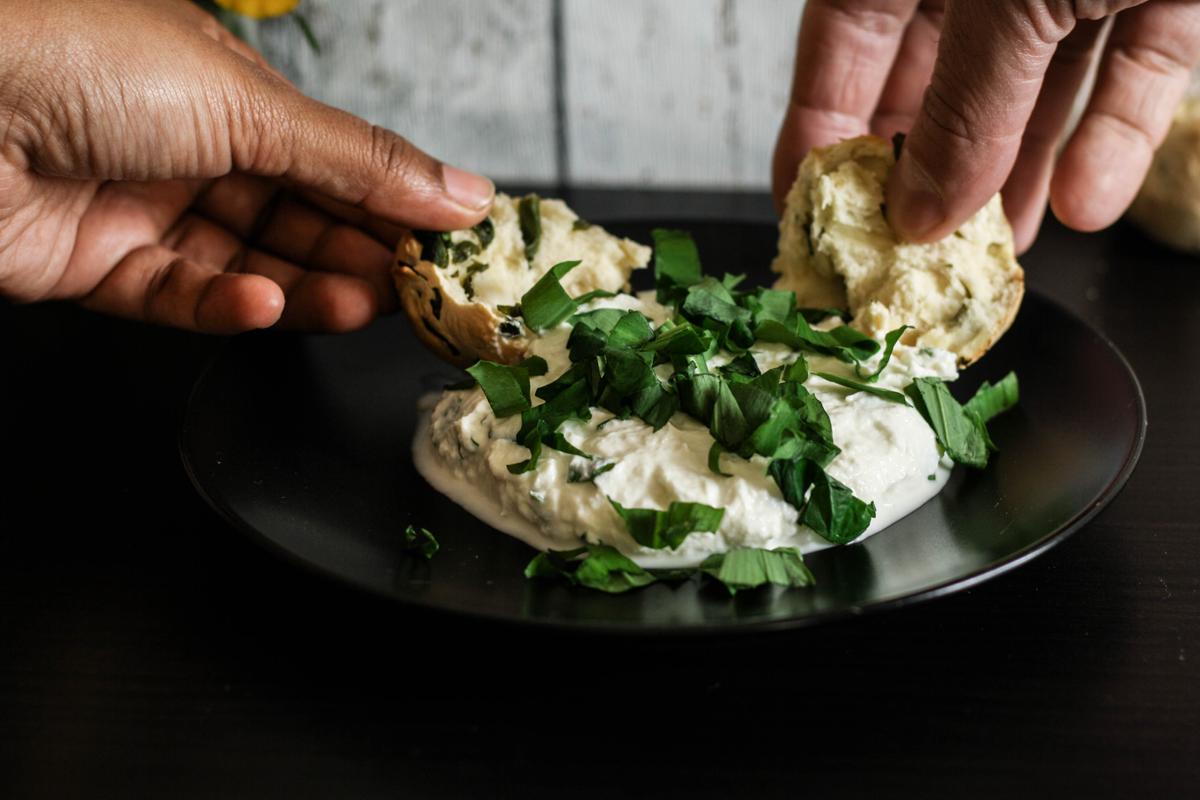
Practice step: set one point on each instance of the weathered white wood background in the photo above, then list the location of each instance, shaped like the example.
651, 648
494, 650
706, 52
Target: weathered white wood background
653, 93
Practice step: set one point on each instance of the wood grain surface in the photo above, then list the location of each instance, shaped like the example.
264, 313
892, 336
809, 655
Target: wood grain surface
646, 92
146, 650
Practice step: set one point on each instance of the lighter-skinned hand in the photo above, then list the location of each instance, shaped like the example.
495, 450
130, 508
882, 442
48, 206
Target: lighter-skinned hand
984, 89
155, 167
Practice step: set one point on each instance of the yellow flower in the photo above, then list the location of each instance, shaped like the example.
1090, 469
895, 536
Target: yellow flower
259, 9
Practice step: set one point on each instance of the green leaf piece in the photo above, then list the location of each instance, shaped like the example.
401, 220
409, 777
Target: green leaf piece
714, 460
962, 435
749, 568
463, 250
603, 568
529, 218
889, 340
662, 529
420, 541
859, 386
506, 388
676, 263
486, 231
833, 511
546, 304
990, 400
830, 509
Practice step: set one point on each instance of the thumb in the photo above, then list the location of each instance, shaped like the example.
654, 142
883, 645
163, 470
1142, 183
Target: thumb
279, 132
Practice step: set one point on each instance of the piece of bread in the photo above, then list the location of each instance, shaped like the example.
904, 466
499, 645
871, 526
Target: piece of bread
1168, 205
837, 250
455, 308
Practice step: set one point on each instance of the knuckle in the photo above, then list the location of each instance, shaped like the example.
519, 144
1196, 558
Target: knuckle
395, 157
1149, 57
1130, 129
949, 114
875, 16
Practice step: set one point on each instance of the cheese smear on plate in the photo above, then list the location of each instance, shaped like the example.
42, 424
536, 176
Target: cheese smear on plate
889, 456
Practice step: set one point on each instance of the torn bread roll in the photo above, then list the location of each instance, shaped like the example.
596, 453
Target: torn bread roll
459, 290
837, 250
1168, 205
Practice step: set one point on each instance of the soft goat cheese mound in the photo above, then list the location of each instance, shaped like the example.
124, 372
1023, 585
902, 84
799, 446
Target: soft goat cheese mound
888, 456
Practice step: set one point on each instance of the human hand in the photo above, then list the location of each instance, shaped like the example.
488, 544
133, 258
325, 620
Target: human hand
986, 106
153, 166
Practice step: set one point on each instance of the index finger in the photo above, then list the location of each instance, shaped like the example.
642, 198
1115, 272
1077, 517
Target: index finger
844, 53
991, 62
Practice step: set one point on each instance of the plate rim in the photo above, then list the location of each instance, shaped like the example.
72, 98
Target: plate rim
1099, 502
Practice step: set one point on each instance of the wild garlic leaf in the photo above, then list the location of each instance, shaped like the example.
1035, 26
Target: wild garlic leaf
602, 568
587, 473
859, 386
682, 339
506, 388
676, 263
833, 511
486, 231
463, 250
714, 460
529, 218
990, 400
750, 567
656, 529
546, 303
889, 341
961, 435
825, 504
420, 541
435, 247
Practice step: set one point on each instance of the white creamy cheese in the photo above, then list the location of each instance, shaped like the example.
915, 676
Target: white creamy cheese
605, 260
889, 456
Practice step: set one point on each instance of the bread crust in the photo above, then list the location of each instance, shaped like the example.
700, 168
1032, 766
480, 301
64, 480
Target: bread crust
460, 333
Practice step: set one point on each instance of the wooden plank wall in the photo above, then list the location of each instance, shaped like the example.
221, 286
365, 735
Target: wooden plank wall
652, 93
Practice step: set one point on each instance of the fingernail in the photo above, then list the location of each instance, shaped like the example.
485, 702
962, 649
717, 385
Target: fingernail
915, 204
471, 191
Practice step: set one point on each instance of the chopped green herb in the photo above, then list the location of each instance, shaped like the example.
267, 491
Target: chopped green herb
603, 568
486, 231
659, 529
797, 371
962, 435
506, 388
420, 541
858, 386
588, 472
714, 460
676, 263
434, 247
991, 400
468, 282
594, 294
529, 216
546, 304
748, 568
830, 508
834, 512
889, 340
463, 250
580, 224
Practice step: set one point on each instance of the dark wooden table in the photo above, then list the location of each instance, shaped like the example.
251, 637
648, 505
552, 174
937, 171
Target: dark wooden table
146, 649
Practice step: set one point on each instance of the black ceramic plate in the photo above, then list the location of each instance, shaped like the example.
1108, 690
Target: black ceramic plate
304, 442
